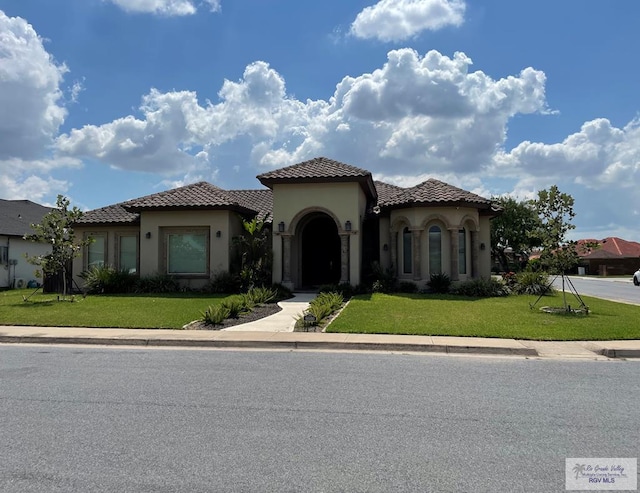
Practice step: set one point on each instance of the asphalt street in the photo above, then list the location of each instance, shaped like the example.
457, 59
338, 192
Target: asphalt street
154, 420
614, 289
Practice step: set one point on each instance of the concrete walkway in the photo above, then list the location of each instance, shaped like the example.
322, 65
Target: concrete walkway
276, 332
283, 321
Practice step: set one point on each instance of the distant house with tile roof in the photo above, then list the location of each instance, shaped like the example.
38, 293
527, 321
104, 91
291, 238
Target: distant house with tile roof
610, 256
16, 217
330, 222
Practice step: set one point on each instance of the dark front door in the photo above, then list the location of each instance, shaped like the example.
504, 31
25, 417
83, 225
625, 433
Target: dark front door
320, 252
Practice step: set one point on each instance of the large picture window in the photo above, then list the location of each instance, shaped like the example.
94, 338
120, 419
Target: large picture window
128, 253
187, 252
97, 251
435, 250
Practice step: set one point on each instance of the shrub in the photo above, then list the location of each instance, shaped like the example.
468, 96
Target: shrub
215, 315
235, 305
384, 280
407, 287
532, 282
439, 283
481, 288
282, 292
157, 283
322, 307
108, 280
224, 282
261, 296
345, 288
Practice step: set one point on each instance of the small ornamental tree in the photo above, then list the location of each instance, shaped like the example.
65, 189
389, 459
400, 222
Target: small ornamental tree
555, 210
56, 230
255, 251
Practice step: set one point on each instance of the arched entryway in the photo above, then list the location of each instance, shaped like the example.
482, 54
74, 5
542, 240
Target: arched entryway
319, 250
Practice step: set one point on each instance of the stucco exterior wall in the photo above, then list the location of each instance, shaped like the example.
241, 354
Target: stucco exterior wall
450, 220
151, 250
154, 222
23, 269
484, 238
292, 202
110, 234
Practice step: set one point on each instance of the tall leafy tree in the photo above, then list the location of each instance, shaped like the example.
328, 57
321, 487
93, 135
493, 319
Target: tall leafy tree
56, 230
516, 228
555, 210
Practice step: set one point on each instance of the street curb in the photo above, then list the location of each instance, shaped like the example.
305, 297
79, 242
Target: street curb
620, 353
317, 345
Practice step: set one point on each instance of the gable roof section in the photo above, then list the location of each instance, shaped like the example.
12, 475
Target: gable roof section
429, 193
321, 170
201, 195
16, 216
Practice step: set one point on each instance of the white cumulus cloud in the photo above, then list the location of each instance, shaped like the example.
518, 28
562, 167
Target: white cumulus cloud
415, 113
397, 20
164, 7
30, 91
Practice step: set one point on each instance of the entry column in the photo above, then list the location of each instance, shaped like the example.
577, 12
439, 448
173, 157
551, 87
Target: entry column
475, 253
344, 257
455, 265
286, 259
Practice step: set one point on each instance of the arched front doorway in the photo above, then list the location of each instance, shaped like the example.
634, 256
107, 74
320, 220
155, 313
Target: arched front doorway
320, 250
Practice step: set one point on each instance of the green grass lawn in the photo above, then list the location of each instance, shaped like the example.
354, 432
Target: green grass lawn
509, 317
131, 311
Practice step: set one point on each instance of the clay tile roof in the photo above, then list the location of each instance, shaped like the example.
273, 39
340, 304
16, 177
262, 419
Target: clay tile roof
16, 216
112, 214
611, 247
260, 201
201, 195
387, 192
320, 169
435, 192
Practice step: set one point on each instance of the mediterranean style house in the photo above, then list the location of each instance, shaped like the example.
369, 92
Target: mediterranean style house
330, 222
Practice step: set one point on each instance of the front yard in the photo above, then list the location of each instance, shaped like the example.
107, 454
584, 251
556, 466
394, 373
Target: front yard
447, 315
166, 311
507, 317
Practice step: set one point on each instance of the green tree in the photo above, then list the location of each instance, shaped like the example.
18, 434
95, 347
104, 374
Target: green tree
516, 228
555, 210
255, 254
56, 230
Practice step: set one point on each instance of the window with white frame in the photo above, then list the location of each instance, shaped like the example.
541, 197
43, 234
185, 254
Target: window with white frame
187, 251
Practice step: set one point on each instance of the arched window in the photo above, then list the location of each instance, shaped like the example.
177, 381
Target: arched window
462, 251
435, 250
406, 251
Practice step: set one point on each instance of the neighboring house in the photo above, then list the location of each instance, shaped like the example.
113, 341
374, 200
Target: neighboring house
611, 256
16, 217
330, 222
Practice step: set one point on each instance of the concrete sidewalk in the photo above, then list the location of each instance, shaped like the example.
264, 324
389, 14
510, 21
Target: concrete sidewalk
319, 340
276, 332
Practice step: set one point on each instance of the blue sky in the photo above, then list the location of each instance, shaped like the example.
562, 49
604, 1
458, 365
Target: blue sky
107, 100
